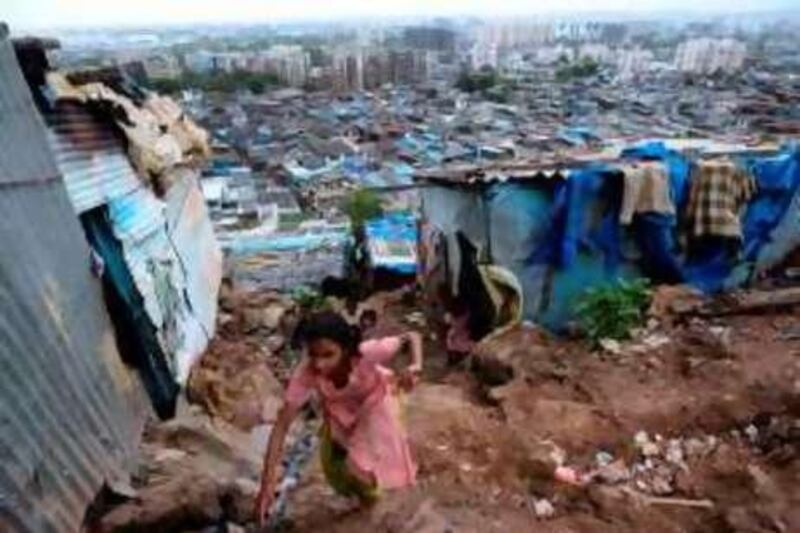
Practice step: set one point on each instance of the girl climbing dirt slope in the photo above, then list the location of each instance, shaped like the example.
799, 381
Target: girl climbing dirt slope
363, 448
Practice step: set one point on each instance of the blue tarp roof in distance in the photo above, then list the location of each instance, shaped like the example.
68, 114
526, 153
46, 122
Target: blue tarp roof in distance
392, 242
287, 242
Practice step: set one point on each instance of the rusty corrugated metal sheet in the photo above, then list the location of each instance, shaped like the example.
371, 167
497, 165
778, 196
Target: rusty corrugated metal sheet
89, 156
70, 412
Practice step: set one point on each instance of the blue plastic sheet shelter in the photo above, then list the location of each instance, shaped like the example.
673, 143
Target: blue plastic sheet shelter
392, 243
562, 236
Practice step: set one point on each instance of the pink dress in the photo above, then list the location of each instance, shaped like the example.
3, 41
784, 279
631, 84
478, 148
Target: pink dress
364, 416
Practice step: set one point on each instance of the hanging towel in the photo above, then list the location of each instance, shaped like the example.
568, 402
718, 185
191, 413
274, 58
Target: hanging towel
646, 190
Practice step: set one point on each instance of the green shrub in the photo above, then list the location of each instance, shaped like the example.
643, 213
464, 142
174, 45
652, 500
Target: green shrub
362, 205
611, 311
308, 299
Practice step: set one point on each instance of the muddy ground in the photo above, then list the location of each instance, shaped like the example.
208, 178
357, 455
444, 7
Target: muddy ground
691, 426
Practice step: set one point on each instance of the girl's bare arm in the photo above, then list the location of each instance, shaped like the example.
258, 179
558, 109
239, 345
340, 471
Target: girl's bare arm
412, 341
272, 458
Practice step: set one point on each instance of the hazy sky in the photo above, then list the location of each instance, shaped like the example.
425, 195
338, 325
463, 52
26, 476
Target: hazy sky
41, 13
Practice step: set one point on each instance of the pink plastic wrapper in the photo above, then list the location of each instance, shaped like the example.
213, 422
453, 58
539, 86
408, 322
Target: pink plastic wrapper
567, 474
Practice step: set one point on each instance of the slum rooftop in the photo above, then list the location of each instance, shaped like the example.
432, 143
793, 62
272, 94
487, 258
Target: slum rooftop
558, 163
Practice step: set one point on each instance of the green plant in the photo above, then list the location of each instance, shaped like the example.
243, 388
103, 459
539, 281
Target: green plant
483, 80
308, 300
361, 206
611, 311
584, 68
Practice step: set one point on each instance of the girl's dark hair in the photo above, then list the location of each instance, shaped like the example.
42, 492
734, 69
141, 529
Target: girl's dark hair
330, 325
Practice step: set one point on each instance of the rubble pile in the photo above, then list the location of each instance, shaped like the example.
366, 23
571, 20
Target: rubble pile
239, 378
202, 469
194, 472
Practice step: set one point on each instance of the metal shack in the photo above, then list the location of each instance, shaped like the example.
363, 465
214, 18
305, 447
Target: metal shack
555, 228
71, 411
108, 279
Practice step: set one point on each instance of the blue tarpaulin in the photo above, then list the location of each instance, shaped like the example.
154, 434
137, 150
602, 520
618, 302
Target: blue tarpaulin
585, 242
392, 242
286, 243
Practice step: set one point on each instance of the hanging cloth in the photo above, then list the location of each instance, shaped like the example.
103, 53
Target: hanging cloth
646, 190
720, 190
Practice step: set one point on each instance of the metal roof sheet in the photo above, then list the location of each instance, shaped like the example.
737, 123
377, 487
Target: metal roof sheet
196, 246
90, 157
175, 260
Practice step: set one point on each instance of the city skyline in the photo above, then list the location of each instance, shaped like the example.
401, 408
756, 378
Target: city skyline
25, 14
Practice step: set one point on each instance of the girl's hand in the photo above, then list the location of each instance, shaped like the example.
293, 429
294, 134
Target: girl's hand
409, 378
264, 501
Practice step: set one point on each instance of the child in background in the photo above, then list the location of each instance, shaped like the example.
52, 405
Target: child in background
367, 321
363, 444
458, 340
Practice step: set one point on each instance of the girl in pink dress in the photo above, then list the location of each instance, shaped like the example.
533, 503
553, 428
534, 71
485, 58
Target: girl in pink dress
363, 446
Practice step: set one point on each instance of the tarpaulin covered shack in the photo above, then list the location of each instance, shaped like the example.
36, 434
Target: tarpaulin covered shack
696, 212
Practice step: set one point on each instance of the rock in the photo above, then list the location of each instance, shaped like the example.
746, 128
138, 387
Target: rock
655, 341
661, 483
543, 509
709, 342
224, 319
641, 438
555, 453
650, 449
216, 449
122, 488
241, 499
275, 343
190, 501
669, 302
268, 318
606, 499
493, 368
497, 359
233, 382
169, 454
613, 473
646, 447
752, 433
603, 458
695, 447
674, 453
611, 346
272, 315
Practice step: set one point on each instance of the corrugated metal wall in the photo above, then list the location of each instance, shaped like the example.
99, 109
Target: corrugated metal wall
70, 411
192, 236
169, 244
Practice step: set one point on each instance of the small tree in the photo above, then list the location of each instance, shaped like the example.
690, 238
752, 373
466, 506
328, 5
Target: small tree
361, 206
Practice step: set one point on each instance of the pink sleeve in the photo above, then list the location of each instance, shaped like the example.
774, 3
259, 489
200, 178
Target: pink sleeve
301, 386
380, 351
